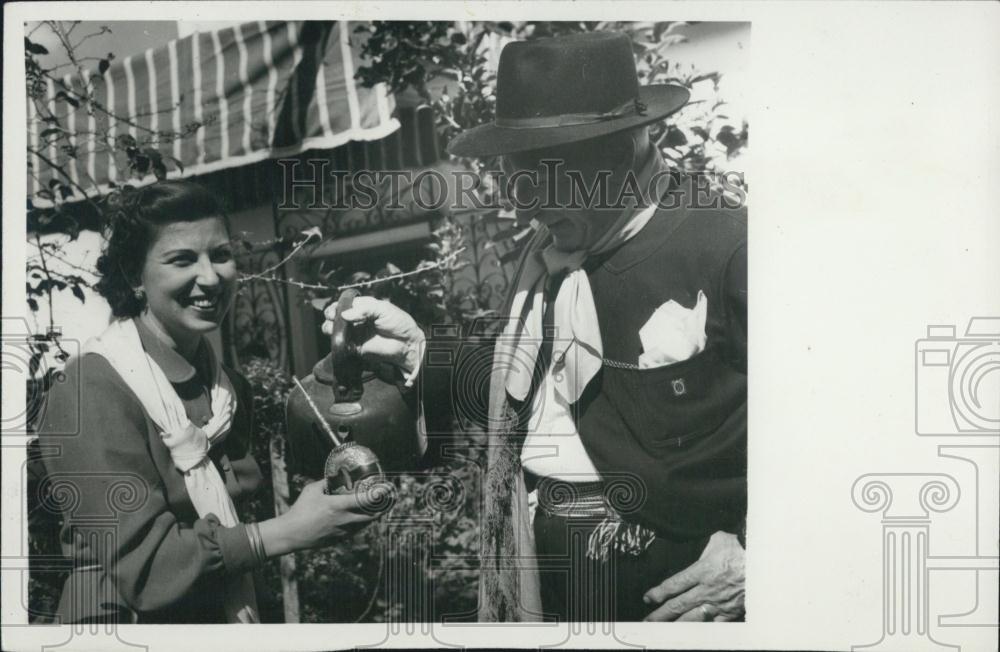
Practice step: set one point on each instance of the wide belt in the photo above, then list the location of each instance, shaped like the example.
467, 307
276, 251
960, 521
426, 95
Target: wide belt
572, 499
612, 533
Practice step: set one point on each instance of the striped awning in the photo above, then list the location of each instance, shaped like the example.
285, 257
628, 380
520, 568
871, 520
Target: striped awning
258, 90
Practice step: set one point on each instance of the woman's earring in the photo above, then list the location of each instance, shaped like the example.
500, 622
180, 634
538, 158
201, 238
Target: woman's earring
139, 293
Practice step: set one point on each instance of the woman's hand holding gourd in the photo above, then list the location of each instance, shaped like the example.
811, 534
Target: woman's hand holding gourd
317, 519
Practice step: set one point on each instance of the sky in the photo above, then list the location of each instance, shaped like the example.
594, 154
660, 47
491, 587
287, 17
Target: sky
126, 37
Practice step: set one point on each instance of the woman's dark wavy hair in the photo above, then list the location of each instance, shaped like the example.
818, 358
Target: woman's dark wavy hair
132, 226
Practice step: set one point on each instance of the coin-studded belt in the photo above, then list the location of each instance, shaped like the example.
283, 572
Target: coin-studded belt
572, 499
588, 500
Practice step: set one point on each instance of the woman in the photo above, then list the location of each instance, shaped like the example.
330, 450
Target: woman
160, 444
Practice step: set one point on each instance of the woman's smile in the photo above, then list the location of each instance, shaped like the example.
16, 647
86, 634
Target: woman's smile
189, 279
204, 305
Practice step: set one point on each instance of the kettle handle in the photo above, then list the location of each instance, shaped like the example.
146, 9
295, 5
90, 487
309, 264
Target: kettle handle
346, 359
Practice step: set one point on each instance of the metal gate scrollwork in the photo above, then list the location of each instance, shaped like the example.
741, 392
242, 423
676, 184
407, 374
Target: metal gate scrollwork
256, 327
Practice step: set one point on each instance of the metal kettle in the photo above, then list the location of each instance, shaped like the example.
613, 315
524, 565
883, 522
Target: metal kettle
353, 420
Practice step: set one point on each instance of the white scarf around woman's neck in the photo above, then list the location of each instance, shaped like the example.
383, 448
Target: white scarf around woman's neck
121, 346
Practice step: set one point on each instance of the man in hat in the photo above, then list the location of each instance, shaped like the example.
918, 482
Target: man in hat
615, 486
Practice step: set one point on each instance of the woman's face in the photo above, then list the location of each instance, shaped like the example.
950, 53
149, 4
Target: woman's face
189, 277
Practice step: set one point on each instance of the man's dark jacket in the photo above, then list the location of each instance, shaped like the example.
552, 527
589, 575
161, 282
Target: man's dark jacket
678, 432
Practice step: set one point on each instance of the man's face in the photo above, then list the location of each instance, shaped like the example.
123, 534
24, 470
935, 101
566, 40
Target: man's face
577, 186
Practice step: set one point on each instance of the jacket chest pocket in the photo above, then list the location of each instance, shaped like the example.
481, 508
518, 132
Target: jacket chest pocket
669, 406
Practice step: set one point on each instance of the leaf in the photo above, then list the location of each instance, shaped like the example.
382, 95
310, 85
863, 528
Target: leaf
49, 132
714, 76
140, 163
674, 137
672, 39
34, 48
701, 132
78, 293
32, 304
126, 142
177, 163
103, 66
153, 154
62, 95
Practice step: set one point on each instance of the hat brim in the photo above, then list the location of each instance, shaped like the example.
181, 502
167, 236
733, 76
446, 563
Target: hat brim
491, 140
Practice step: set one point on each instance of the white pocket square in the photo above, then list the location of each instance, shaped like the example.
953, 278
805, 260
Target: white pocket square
674, 333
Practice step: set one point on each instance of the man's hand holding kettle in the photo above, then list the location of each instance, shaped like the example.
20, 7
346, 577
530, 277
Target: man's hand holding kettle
397, 339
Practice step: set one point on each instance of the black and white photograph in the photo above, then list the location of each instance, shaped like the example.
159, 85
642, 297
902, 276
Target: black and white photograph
590, 241
433, 325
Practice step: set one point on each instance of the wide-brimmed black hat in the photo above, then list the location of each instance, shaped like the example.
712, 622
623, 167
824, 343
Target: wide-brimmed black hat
558, 90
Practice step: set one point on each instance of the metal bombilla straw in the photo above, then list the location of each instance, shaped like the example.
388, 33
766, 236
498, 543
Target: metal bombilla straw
341, 449
349, 463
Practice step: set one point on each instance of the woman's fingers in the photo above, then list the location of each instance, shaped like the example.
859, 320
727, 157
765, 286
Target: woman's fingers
374, 498
367, 501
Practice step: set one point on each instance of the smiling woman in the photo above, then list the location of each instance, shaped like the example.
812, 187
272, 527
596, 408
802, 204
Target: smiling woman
187, 278
162, 420
168, 223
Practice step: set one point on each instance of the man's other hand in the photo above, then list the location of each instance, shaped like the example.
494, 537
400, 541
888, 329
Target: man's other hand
397, 339
711, 589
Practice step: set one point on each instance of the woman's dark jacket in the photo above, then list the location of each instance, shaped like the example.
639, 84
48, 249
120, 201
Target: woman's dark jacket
139, 550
